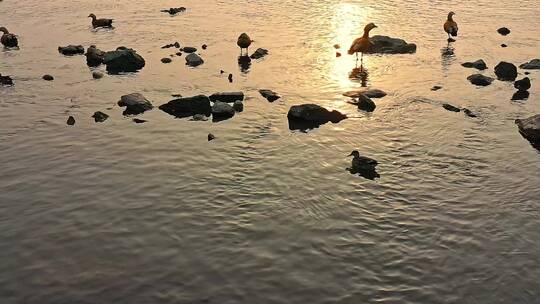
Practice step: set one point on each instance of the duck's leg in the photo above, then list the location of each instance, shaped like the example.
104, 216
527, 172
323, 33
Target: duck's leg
362, 62
356, 65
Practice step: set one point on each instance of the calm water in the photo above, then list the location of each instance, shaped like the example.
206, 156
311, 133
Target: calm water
153, 213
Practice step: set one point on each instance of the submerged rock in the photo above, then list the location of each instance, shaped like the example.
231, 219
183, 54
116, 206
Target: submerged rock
6, 80
71, 50
503, 31
523, 84
451, 108
270, 95
94, 56
135, 103
436, 88
138, 121
365, 103
389, 45
308, 116
70, 121
530, 129
194, 60
478, 64
259, 53
189, 49
222, 110
373, 93
469, 113
211, 137
188, 106
227, 96
48, 77
123, 60
531, 65
506, 71
100, 116
480, 80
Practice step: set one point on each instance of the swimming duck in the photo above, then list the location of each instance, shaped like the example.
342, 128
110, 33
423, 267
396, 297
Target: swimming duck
8, 39
451, 27
362, 162
244, 42
100, 22
362, 44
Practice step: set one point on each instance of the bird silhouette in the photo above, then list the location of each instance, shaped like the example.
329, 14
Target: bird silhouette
100, 22
8, 39
244, 42
362, 44
451, 27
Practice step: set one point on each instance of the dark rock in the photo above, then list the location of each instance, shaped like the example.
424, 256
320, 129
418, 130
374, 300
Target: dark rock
138, 121
135, 103
531, 65
222, 110
174, 10
176, 95
480, 80
238, 106
194, 60
451, 108
230, 78
527, 73
504, 45
97, 75
211, 137
469, 113
520, 95
365, 103
171, 45
308, 116
166, 60
270, 95
178, 54
337, 46
6, 80
188, 106
94, 56
100, 116
259, 53
70, 121
478, 64
389, 45
436, 88
530, 129
506, 71
373, 93
523, 84
204, 46
123, 60
48, 77
189, 49
71, 50
338, 54
503, 31
227, 96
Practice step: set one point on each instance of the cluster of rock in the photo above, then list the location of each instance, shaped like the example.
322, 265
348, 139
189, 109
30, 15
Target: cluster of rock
221, 106
118, 61
309, 116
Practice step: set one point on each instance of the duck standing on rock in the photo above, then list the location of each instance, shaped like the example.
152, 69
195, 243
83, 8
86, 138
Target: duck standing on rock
362, 44
244, 42
451, 27
100, 22
8, 39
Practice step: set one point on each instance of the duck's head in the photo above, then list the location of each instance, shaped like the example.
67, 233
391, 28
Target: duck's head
370, 26
243, 36
92, 16
354, 153
4, 30
451, 14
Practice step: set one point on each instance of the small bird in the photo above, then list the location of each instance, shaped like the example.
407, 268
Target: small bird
360, 163
451, 27
244, 42
362, 44
100, 22
8, 39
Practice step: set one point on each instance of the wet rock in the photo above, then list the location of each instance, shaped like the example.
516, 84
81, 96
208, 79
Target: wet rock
469, 113
523, 84
166, 60
478, 64
270, 95
171, 45
436, 88
123, 60
480, 80
227, 96
230, 78
451, 108
531, 65
199, 117
222, 110
94, 56
6, 80
100, 116
174, 10
211, 137
138, 120
503, 31
204, 46
70, 121
373, 93
259, 53
520, 95
188, 106
338, 54
506, 71
71, 50
337, 46
135, 103
194, 60
238, 106
48, 77
389, 45
189, 49
504, 45
97, 75
530, 129
176, 95
365, 103
178, 54
308, 116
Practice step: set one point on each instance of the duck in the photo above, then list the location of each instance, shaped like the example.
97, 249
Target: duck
451, 27
362, 44
174, 10
100, 22
8, 39
360, 163
244, 42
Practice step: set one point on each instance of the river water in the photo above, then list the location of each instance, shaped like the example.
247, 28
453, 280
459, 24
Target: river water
120, 212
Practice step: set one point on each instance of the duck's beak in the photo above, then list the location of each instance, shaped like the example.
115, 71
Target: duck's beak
350, 154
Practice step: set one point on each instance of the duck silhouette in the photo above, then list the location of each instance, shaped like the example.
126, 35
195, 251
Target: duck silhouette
8, 39
100, 22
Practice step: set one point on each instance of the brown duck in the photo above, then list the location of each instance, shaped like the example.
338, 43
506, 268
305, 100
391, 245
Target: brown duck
362, 44
244, 42
100, 22
8, 39
451, 27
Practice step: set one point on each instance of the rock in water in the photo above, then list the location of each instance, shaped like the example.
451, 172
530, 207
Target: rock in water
230, 78
6, 80
222, 110
123, 60
480, 80
135, 103
436, 88
188, 106
259, 53
194, 60
308, 116
71, 50
97, 75
389, 45
365, 103
70, 121
523, 84
211, 137
503, 31
238, 106
469, 113
531, 65
520, 95
189, 49
48, 77
100, 116
199, 117
506, 71
138, 121
530, 129
451, 108
166, 60
227, 96
478, 64
373, 93
94, 56
270, 95
174, 10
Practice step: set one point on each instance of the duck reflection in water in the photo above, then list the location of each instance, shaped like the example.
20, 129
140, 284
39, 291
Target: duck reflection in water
361, 74
244, 62
363, 166
447, 56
